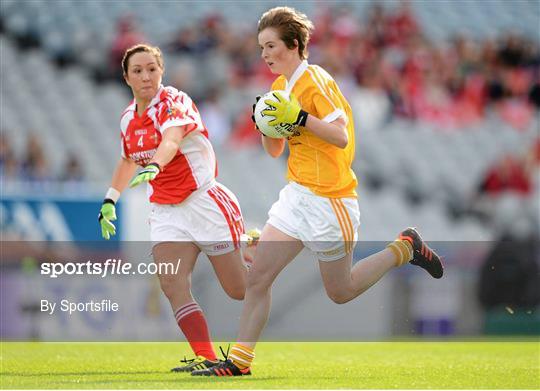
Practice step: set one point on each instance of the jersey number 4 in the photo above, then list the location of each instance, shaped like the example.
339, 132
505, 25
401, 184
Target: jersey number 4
140, 142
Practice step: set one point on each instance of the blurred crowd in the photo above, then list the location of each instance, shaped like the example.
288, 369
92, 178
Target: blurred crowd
447, 84
512, 173
515, 174
33, 165
385, 64
381, 60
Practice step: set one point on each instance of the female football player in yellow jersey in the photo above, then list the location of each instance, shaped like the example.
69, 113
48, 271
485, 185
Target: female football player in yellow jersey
318, 209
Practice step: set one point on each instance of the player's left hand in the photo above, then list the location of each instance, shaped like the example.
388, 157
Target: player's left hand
257, 99
286, 111
147, 174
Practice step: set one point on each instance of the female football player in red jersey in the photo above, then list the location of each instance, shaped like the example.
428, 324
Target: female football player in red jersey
318, 208
162, 131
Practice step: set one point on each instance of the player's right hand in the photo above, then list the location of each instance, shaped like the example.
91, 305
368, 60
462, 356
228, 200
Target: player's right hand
107, 214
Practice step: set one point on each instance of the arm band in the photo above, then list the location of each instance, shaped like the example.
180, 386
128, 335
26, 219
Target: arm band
302, 118
155, 164
112, 194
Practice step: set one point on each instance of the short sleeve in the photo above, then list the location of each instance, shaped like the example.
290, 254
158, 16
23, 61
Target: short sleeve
125, 120
123, 147
326, 108
278, 84
175, 114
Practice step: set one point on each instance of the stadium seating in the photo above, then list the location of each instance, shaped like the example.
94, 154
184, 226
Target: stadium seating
410, 172
410, 160
64, 105
76, 25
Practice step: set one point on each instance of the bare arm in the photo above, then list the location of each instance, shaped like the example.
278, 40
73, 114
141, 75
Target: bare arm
334, 132
273, 146
123, 172
164, 154
290, 112
169, 146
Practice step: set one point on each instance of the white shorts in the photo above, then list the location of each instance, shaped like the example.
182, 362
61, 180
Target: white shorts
327, 226
210, 218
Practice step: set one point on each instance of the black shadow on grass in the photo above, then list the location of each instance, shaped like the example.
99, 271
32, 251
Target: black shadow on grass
19, 374
180, 377
181, 380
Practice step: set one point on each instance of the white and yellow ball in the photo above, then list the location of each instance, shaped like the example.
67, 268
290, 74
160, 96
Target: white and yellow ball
278, 131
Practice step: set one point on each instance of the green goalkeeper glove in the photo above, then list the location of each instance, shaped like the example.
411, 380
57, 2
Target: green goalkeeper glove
147, 174
286, 111
106, 215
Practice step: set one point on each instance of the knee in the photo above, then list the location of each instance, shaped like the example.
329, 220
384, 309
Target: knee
259, 284
236, 292
172, 285
338, 296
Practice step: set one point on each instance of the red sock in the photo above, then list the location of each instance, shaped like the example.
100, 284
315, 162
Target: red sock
192, 322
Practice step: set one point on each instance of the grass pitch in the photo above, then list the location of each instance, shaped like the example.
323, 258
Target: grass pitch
402, 365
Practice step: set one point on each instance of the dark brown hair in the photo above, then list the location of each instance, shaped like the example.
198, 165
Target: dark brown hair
291, 26
153, 50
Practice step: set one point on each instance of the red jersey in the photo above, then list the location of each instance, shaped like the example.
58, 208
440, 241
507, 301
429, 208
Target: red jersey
194, 165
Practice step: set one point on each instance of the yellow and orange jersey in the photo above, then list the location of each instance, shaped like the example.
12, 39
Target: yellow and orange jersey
320, 166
